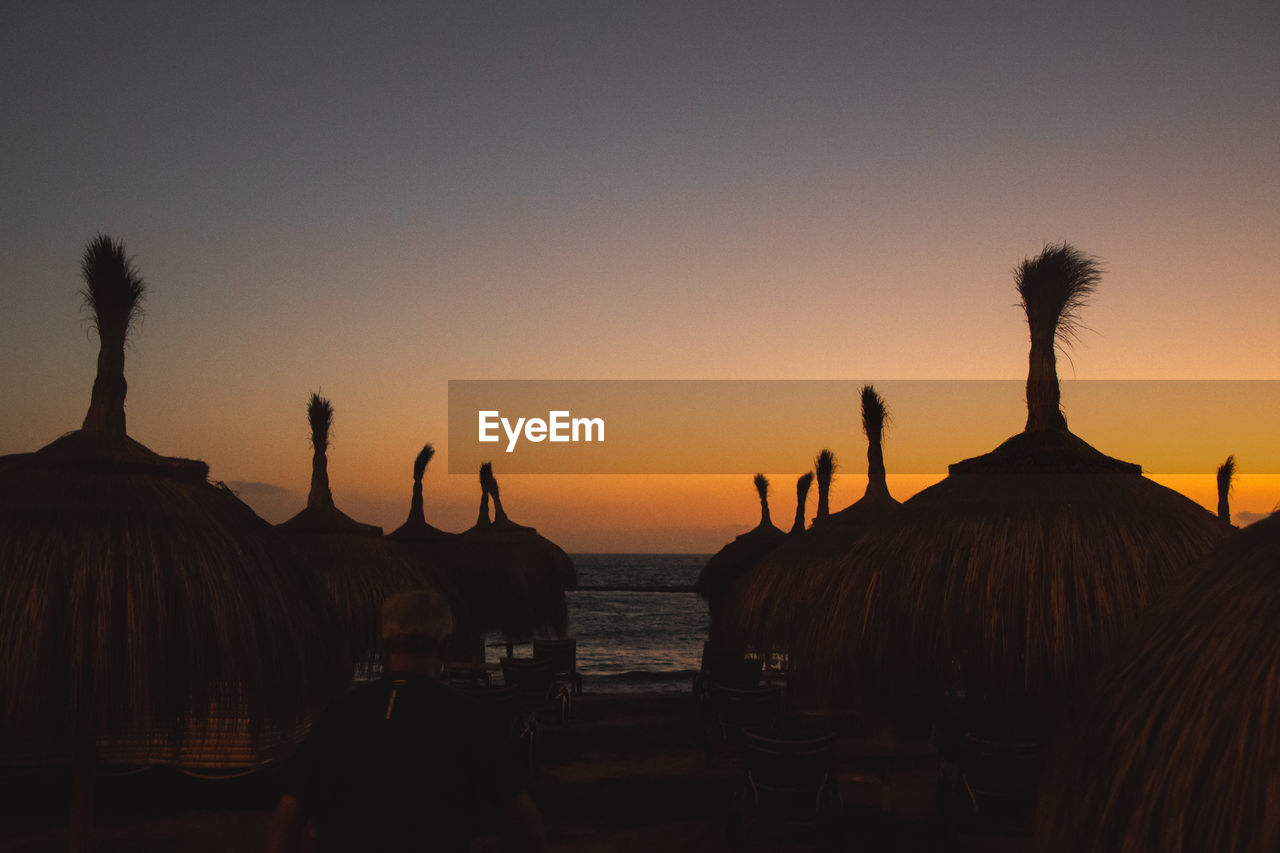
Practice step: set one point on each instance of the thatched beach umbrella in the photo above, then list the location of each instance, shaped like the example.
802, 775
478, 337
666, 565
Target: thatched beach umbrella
137, 599
553, 563
1226, 476
1026, 565
437, 555
360, 568
1178, 747
782, 602
804, 484
415, 527
737, 557
876, 500
824, 465
517, 578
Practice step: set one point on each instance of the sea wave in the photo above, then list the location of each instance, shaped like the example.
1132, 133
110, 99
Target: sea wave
639, 623
640, 681
637, 588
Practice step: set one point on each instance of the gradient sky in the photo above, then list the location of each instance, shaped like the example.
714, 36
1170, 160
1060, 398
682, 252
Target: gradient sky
373, 201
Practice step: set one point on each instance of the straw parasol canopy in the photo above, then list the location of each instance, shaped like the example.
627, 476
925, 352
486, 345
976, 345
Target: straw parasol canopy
779, 603
738, 556
804, 485
437, 554
824, 465
135, 595
554, 563
1226, 478
1024, 566
1178, 746
415, 527
359, 568
514, 579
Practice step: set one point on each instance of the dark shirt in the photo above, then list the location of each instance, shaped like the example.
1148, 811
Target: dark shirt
404, 762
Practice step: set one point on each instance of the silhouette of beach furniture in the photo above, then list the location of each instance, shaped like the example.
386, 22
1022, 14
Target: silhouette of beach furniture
727, 668
216, 753
534, 681
220, 744
990, 784
522, 725
788, 783
564, 653
731, 710
743, 672
465, 674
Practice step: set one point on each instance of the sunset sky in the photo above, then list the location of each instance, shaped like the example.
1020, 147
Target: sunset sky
372, 199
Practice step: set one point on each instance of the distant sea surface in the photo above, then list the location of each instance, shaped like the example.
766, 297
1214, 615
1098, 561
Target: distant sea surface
640, 626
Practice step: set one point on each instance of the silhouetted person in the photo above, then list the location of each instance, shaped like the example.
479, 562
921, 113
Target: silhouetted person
405, 763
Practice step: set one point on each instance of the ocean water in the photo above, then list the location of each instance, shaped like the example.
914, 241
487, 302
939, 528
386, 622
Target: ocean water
640, 626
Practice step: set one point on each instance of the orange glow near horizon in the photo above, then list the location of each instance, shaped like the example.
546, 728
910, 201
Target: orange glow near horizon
662, 513
267, 459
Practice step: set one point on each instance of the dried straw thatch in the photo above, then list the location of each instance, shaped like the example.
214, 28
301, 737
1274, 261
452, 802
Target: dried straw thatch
1178, 746
738, 556
135, 595
514, 579
1026, 565
779, 602
824, 464
554, 563
415, 527
1226, 478
359, 568
804, 484
438, 556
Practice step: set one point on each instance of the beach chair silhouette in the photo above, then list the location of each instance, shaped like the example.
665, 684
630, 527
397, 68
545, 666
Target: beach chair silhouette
522, 726
564, 653
731, 710
218, 744
465, 675
534, 682
788, 783
720, 667
734, 669
993, 785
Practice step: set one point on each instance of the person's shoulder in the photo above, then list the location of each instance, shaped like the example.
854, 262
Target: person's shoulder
445, 696
358, 699
466, 710
365, 692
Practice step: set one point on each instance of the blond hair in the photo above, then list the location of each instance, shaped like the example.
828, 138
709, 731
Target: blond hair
416, 622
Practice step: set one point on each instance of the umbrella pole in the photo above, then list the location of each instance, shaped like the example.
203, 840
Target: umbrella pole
84, 759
